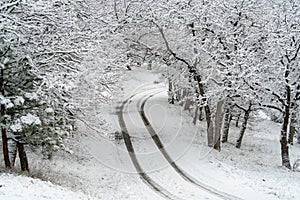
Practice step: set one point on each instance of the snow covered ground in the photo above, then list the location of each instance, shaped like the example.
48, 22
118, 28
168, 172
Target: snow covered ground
13, 187
100, 168
252, 172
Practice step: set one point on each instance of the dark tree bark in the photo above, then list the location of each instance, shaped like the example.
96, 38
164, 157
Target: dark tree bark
201, 114
3, 129
292, 129
237, 120
218, 126
286, 116
170, 93
283, 140
187, 105
210, 134
227, 120
178, 95
243, 128
23, 157
5, 148
196, 115
12, 151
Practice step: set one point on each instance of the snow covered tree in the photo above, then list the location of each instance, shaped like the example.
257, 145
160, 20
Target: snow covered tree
40, 46
283, 71
244, 53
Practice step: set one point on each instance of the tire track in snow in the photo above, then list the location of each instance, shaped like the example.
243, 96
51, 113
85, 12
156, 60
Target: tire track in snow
181, 172
152, 184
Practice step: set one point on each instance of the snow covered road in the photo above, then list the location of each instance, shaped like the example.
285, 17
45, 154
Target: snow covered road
155, 172
179, 185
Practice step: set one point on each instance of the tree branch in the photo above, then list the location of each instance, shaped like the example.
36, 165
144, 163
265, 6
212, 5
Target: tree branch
168, 46
240, 107
296, 53
272, 106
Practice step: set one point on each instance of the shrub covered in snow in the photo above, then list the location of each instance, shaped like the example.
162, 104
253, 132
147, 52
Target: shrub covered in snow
36, 71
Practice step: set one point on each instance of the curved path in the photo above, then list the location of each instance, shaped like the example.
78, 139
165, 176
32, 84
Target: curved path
152, 184
182, 173
159, 188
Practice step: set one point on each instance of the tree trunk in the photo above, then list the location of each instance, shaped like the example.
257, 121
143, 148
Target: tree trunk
286, 117
283, 140
210, 130
227, 120
210, 134
237, 120
12, 151
210, 127
243, 128
201, 114
196, 115
218, 125
187, 105
178, 95
23, 157
185, 93
292, 129
170, 93
5, 149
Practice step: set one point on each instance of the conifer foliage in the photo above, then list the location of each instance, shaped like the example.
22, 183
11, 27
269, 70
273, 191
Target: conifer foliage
37, 67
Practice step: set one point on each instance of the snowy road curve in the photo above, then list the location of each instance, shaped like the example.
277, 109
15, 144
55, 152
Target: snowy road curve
187, 183
133, 157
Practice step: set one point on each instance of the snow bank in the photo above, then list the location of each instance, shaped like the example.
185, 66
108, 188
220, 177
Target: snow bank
13, 187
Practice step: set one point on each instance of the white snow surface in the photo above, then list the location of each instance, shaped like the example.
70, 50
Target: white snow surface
252, 172
101, 167
13, 187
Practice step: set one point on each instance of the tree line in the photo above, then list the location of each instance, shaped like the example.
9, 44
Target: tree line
42, 44
226, 58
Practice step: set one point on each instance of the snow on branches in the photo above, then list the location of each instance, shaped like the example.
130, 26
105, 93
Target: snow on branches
41, 48
243, 52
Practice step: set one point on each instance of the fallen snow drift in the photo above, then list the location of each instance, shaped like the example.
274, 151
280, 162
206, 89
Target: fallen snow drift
13, 187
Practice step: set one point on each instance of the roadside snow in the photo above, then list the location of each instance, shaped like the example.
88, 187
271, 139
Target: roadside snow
252, 172
13, 187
